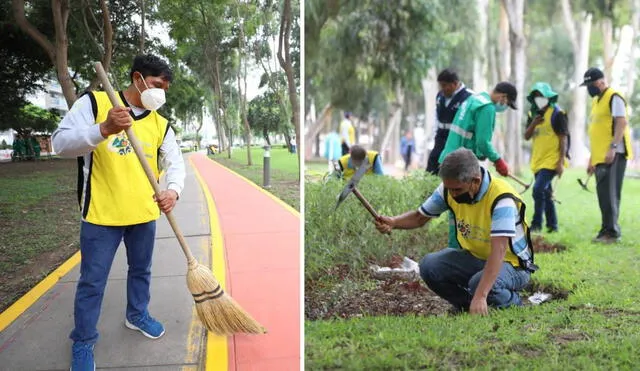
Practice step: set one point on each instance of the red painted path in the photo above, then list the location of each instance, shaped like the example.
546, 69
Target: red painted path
262, 246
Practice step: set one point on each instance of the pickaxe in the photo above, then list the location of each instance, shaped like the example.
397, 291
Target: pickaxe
584, 184
351, 188
525, 185
553, 192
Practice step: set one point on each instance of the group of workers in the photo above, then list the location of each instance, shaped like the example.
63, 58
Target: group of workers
489, 257
24, 148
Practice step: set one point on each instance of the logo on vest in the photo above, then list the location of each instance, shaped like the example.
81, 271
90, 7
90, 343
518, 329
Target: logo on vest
470, 232
120, 144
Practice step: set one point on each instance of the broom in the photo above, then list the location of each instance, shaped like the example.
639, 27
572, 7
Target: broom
218, 312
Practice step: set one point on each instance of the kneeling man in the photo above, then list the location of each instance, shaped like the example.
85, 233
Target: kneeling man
496, 259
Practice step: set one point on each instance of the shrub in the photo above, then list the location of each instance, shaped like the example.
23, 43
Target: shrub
347, 236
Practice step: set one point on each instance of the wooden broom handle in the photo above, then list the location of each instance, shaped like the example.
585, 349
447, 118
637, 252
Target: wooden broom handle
137, 147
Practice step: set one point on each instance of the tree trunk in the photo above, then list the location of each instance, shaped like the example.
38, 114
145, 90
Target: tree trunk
480, 59
265, 135
395, 117
314, 128
513, 150
429, 91
286, 64
142, 17
635, 28
243, 95
579, 35
606, 26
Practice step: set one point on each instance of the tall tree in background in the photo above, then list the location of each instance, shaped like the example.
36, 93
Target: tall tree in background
57, 50
517, 42
579, 32
286, 62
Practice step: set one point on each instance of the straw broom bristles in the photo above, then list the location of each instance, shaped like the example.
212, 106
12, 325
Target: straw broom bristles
218, 311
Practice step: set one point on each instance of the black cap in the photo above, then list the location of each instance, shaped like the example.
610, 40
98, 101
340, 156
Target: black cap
507, 88
592, 74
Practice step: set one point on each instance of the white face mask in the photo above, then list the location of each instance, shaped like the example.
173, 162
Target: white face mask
152, 98
541, 102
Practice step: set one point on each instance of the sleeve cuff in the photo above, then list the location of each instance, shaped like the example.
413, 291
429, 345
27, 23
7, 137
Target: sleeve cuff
175, 187
94, 135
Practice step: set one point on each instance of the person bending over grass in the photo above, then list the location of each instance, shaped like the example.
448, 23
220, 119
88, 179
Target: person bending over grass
349, 163
495, 260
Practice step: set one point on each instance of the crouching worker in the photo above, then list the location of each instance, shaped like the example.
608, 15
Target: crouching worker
350, 162
496, 259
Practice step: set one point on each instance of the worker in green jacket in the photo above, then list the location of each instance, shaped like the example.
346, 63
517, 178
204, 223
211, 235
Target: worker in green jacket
472, 128
473, 125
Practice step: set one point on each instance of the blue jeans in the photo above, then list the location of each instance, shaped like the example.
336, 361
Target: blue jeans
98, 245
542, 200
454, 275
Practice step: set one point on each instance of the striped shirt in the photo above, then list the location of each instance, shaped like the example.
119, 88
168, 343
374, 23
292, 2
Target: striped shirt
504, 219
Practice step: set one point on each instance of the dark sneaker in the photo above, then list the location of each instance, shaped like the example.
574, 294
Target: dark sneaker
535, 229
147, 325
82, 357
552, 230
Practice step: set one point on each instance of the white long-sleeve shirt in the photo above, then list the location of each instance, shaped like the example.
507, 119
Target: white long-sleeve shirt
78, 135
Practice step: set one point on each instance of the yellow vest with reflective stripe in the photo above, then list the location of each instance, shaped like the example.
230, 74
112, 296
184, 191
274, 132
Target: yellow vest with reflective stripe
352, 134
473, 221
545, 146
348, 172
117, 192
601, 127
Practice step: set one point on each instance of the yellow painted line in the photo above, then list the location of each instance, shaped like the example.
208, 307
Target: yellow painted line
217, 348
284, 204
196, 330
27, 300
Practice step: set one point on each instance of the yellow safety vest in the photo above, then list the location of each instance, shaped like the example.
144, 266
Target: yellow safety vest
347, 172
117, 192
545, 146
473, 221
601, 128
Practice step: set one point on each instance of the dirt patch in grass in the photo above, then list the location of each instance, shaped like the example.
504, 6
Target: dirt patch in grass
347, 297
39, 223
568, 337
542, 246
373, 298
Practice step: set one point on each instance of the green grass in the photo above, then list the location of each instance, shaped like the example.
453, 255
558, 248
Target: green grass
285, 182
39, 220
597, 327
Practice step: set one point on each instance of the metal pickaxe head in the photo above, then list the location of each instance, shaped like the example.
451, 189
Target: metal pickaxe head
525, 185
351, 185
584, 184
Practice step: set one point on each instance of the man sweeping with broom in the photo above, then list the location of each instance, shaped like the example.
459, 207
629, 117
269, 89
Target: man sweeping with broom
116, 198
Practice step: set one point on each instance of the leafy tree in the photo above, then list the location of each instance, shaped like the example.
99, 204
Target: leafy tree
30, 119
264, 115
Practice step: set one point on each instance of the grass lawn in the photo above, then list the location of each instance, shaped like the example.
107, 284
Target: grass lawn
596, 327
285, 182
39, 220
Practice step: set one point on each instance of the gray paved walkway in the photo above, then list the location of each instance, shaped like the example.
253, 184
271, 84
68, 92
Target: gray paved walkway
39, 338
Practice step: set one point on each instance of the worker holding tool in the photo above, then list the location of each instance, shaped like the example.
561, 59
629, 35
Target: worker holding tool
548, 130
116, 199
496, 259
610, 140
473, 126
448, 100
350, 162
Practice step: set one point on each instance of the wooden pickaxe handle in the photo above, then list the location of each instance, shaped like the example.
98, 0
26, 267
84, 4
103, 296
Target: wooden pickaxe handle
366, 203
525, 185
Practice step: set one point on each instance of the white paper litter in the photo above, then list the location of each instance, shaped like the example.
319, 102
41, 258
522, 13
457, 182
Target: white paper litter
409, 270
539, 298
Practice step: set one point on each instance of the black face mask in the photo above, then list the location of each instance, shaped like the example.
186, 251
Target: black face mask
464, 198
